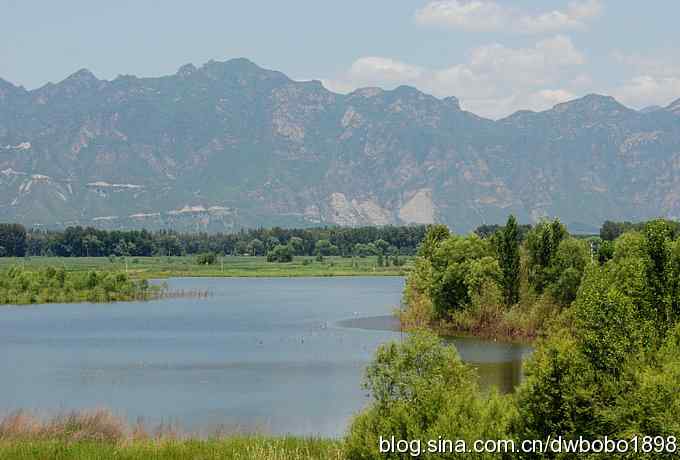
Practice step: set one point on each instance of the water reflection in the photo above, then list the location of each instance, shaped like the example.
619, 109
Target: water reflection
497, 364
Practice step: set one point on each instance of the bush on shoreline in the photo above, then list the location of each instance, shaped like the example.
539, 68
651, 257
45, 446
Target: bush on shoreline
421, 390
496, 287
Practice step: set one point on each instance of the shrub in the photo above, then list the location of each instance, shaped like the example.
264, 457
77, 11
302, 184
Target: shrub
280, 253
207, 258
559, 395
421, 390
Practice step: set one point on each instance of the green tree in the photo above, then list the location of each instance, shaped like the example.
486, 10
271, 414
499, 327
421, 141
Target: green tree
542, 244
608, 325
657, 237
611, 230
208, 258
481, 274
630, 244
256, 247
297, 244
382, 246
507, 246
325, 248
92, 245
451, 265
605, 252
566, 270
575, 380
281, 253
13, 240
559, 395
674, 281
436, 233
381, 260
652, 405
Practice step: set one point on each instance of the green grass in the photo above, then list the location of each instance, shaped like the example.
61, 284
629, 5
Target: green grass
98, 434
238, 447
229, 266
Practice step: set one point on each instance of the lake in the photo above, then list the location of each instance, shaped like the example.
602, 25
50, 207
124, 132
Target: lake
277, 355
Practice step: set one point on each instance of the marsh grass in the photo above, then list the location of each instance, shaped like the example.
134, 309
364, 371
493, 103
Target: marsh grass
99, 434
97, 425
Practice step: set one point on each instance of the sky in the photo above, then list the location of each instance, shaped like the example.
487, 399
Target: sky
496, 56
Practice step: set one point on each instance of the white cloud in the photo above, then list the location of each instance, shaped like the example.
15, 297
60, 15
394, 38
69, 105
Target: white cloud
645, 90
377, 71
582, 81
487, 15
655, 79
382, 69
477, 15
549, 97
542, 60
663, 66
495, 81
576, 16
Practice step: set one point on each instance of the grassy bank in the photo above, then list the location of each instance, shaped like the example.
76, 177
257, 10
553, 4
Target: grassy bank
245, 448
228, 266
100, 435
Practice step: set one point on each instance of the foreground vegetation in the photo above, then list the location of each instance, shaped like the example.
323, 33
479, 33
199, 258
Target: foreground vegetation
606, 360
231, 448
99, 435
19, 285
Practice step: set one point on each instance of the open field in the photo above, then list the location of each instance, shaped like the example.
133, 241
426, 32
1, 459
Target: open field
228, 266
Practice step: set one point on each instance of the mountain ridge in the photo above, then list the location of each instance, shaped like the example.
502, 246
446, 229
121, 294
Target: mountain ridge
229, 145
85, 74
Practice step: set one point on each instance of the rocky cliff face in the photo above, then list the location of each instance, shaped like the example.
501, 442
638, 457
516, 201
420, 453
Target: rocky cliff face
232, 145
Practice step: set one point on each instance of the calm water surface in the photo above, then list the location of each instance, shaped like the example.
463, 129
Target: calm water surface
282, 355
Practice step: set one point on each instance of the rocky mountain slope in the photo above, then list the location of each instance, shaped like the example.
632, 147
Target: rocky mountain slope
231, 145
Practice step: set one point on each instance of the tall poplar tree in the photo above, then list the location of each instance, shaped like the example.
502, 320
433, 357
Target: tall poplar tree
508, 259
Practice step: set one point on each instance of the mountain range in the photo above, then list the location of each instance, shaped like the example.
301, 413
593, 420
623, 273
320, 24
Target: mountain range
231, 145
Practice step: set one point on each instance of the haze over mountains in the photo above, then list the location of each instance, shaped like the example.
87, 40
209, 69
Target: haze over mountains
231, 145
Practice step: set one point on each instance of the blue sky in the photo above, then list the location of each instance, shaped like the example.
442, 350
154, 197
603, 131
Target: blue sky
496, 56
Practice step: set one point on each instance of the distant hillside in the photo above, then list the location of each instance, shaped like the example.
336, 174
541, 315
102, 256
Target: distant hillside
231, 145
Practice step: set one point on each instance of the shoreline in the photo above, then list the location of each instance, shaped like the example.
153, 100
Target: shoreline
164, 275
487, 333
450, 332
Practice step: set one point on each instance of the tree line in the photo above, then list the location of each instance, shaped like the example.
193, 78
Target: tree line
15, 241
611, 230
12, 240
